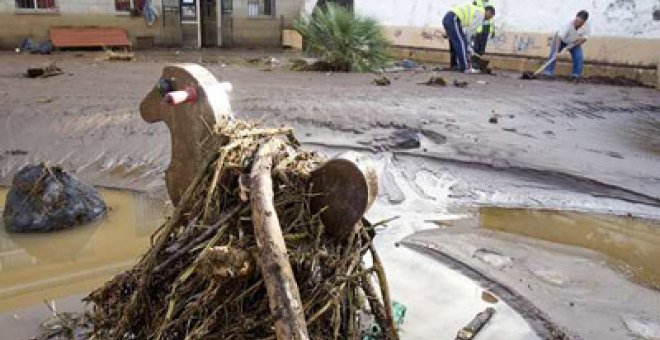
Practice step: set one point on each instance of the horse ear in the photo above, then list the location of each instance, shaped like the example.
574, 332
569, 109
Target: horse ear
151, 108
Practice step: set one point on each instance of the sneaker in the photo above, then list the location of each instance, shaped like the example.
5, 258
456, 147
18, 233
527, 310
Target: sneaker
472, 71
547, 76
576, 79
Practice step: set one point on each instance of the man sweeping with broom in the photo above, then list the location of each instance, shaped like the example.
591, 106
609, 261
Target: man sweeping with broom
570, 37
460, 24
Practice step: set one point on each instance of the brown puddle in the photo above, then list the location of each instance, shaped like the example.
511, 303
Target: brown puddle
632, 245
34, 267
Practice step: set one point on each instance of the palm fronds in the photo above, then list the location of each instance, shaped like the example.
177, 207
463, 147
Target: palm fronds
346, 41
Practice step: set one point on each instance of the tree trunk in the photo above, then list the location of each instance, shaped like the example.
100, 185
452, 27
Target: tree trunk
283, 294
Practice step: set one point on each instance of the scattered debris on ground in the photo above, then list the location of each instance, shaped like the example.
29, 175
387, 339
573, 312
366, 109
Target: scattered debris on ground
527, 75
28, 45
493, 120
382, 81
303, 64
43, 71
460, 84
435, 81
488, 297
45, 198
410, 66
268, 61
310, 65
16, 152
64, 325
616, 81
210, 270
595, 80
470, 331
254, 61
118, 56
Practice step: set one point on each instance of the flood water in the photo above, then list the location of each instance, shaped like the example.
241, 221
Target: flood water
632, 245
34, 267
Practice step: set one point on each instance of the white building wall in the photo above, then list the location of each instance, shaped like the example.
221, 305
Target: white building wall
618, 18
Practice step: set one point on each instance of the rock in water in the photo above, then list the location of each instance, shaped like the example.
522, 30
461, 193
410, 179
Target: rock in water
45, 198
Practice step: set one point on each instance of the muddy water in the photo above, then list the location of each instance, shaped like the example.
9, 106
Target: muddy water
34, 267
632, 245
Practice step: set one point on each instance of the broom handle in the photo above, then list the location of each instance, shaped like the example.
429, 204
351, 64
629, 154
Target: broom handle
546, 64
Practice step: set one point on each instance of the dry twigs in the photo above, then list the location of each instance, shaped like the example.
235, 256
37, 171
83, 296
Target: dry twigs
199, 279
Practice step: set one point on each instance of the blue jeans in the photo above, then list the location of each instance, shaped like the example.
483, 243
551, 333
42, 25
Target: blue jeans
576, 56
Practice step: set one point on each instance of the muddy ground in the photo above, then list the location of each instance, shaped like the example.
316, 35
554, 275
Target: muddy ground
499, 141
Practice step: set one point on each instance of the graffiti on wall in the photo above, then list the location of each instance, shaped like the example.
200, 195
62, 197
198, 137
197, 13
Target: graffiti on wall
433, 34
523, 43
621, 13
517, 42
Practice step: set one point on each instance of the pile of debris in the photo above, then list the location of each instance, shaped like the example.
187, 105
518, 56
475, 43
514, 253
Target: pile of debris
110, 55
246, 255
435, 80
45, 71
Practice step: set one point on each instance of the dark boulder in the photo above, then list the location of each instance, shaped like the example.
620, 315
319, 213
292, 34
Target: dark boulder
45, 198
404, 139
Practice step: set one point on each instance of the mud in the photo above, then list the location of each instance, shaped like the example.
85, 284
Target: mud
575, 147
594, 80
100, 134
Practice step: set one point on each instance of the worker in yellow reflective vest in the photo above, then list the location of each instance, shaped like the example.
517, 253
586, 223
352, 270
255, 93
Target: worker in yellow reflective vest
461, 23
485, 31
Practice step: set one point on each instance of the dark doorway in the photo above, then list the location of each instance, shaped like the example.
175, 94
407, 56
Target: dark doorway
209, 14
227, 24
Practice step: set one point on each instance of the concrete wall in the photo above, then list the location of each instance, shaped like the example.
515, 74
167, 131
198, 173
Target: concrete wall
621, 18
15, 25
263, 30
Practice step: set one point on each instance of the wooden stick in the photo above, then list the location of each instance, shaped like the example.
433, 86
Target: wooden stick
390, 331
283, 295
374, 302
477, 324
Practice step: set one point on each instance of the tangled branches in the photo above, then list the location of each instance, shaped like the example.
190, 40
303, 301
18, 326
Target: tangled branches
203, 278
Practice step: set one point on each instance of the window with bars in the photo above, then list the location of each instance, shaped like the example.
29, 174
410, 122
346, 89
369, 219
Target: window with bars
261, 8
36, 4
122, 5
